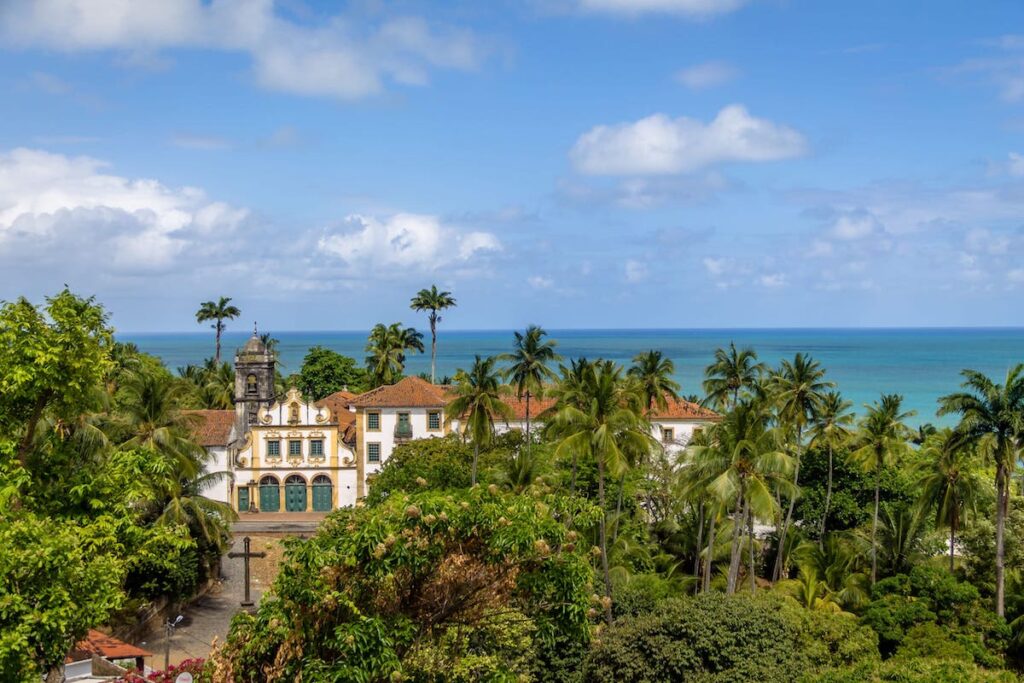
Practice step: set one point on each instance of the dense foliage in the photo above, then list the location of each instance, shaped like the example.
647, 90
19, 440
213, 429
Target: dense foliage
324, 372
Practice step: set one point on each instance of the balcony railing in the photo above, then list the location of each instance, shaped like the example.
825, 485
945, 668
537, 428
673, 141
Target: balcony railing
403, 432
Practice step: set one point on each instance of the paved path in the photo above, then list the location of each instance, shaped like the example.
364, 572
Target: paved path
294, 523
210, 616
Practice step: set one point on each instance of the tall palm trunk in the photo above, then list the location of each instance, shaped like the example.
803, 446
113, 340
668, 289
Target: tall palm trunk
709, 561
604, 541
218, 329
736, 553
780, 556
952, 539
476, 457
1002, 499
874, 530
618, 509
699, 545
433, 346
750, 541
828, 500
528, 439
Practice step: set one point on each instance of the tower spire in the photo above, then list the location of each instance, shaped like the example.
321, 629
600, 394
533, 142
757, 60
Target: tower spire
255, 330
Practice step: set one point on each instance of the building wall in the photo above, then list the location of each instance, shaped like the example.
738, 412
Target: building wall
219, 461
385, 436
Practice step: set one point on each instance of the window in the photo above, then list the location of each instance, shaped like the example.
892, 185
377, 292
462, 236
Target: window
316, 448
373, 452
274, 449
373, 422
251, 386
403, 430
668, 434
434, 421
294, 448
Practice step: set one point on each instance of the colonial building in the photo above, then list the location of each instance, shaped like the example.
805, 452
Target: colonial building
284, 454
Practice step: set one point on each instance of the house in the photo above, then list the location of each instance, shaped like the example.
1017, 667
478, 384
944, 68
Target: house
79, 662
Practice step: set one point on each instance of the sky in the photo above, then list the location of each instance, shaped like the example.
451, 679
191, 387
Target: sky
571, 163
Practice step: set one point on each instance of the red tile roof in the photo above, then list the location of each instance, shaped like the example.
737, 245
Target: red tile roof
211, 427
678, 409
518, 406
338, 404
107, 647
410, 392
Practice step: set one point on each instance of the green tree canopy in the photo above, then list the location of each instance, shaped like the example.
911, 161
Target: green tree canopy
325, 371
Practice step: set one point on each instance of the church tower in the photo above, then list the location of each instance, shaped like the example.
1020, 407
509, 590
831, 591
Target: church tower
254, 380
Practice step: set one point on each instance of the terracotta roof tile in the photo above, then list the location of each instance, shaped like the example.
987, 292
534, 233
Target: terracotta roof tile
211, 427
518, 406
107, 647
684, 410
410, 392
338, 404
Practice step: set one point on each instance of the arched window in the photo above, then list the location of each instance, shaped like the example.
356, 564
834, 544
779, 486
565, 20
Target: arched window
295, 479
269, 480
251, 386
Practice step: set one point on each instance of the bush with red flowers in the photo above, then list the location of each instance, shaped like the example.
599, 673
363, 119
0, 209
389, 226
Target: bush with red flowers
192, 666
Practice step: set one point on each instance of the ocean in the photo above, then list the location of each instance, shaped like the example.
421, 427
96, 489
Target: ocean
920, 364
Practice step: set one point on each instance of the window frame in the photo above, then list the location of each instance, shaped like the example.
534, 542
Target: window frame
370, 414
431, 414
274, 442
668, 434
369, 457
291, 442
313, 444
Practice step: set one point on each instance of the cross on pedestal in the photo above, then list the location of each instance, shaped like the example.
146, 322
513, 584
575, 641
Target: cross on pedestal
245, 555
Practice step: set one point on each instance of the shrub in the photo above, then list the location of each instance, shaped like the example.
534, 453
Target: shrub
435, 464
716, 637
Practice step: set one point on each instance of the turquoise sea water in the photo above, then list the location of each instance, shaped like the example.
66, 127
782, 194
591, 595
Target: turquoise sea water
921, 364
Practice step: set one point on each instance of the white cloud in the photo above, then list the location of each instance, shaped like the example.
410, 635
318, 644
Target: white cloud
855, 227
403, 243
1015, 164
1016, 275
52, 201
540, 282
717, 266
658, 145
772, 280
636, 271
337, 57
691, 8
706, 75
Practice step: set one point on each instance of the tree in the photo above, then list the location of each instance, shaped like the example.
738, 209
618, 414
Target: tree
52, 362
325, 372
529, 367
218, 312
387, 346
654, 374
797, 389
477, 404
434, 301
609, 429
457, 586
732, 371
992, 419
742, 466
949, 483
881, 439
830, 430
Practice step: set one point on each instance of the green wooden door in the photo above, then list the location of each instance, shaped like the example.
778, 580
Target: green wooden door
243, 499
295, 496
322, 491
270, 497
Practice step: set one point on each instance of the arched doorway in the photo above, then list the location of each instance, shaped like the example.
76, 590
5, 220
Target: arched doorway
322, 493
295, 493
270, 494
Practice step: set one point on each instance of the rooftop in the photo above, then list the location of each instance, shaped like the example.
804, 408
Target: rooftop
107, 647
410, 392
211, 427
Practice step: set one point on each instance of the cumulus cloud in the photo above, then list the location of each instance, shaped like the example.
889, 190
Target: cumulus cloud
540, 282
856, 226
337, 57
659, 145
690, 8
706, 75
404, 243
51, 201
636, 271
772, 280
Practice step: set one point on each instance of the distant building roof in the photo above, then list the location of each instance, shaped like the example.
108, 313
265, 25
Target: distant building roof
518, 406
338, 404
211, 427
107, 647
410, 392
678, 409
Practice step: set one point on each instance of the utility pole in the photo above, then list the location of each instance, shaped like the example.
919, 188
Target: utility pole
168, 630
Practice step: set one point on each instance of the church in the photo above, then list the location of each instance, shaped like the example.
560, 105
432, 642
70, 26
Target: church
285, 454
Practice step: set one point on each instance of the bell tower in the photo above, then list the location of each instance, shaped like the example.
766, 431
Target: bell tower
254, 380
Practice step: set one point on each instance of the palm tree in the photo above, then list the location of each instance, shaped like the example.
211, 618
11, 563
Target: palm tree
433, 301
608, 426
386, 347
949, 483
992, 419
797, 389
529, 367
218, 312
571, 390
220, 387
732, 372
881, 439
654, 374
742, 466
830, 431
477, 404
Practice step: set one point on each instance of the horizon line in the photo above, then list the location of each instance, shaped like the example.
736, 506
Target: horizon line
550, 331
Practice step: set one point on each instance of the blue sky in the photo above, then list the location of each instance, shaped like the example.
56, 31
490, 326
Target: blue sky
575, 163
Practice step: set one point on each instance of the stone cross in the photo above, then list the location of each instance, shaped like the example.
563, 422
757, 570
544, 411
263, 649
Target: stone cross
245, 555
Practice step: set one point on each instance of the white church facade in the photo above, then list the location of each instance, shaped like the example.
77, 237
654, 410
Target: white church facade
283, 454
